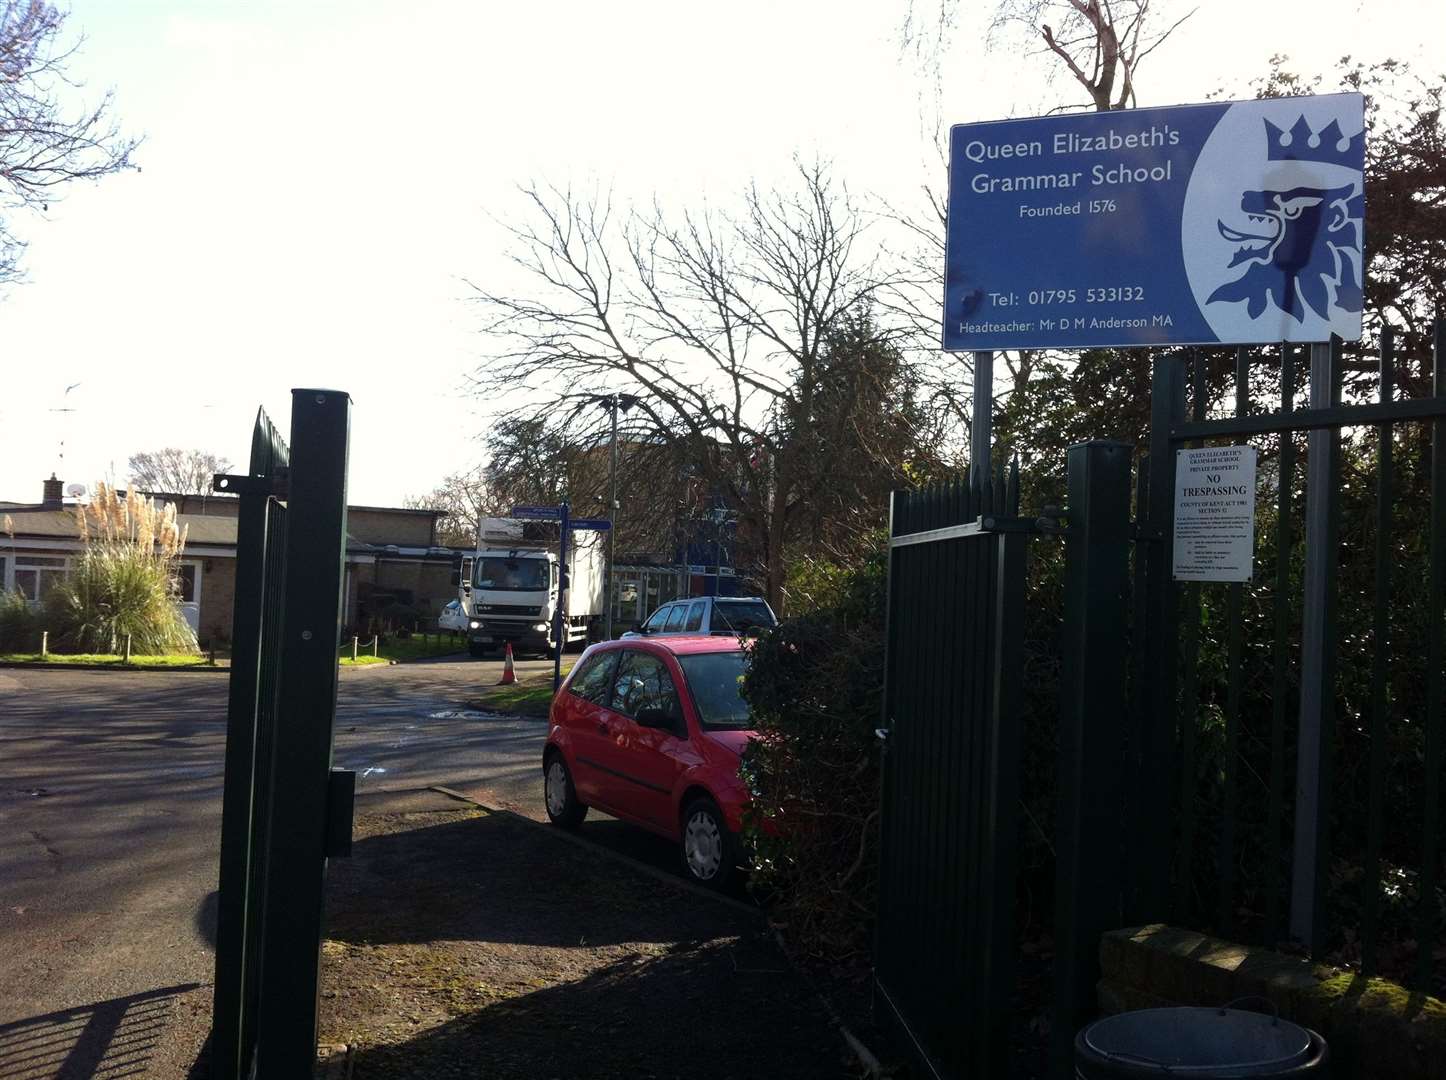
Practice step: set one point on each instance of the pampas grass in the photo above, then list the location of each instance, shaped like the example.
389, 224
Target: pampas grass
124, 583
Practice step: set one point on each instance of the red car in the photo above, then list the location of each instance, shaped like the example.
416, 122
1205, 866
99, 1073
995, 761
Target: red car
650, 731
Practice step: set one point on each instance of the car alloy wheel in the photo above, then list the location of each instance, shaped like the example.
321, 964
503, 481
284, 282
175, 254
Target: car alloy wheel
703, 845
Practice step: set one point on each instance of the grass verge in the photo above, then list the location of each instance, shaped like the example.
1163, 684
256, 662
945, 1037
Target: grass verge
112, 660
530, 696
416, 647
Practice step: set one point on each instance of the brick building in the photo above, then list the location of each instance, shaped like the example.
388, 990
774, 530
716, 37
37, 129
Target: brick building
396, 572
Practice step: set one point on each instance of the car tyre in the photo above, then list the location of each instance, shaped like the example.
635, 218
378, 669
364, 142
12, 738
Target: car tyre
710, 851
558, 794
476, 650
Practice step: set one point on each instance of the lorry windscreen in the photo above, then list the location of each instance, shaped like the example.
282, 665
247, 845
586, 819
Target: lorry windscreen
516, 575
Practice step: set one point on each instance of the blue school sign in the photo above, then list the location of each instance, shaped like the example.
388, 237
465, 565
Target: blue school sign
1235, 222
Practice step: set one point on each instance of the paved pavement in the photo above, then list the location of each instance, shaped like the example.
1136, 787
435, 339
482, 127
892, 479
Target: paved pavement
110, 807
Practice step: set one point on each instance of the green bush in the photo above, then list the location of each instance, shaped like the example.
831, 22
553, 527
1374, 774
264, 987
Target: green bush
124, 583
19, 628
811, 832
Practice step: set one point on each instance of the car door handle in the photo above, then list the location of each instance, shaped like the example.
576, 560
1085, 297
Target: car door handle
602, 729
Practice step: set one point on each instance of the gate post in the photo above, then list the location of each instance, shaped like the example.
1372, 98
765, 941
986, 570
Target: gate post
311, 626
1092, 723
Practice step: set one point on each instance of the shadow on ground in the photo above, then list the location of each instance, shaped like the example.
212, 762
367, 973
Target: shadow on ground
105, 1041
493, 878
478, 945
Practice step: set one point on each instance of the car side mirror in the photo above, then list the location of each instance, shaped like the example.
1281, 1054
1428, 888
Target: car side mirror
656, 718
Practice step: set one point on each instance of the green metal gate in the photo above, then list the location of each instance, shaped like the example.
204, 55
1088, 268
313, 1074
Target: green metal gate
284, 809
945, 940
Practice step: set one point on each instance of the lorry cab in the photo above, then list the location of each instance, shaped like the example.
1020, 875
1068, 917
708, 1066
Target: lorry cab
511, 588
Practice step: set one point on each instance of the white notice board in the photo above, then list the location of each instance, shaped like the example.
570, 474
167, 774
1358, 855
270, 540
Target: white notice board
1215, 514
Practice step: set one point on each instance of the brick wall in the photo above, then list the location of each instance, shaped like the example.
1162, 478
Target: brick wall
430, 583
218, 599
1375, 1029
386, 527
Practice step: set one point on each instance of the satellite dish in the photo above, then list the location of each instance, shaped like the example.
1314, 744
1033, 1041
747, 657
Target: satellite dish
75, 491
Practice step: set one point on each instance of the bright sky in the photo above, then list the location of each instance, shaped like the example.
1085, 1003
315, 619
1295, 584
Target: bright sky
319, 177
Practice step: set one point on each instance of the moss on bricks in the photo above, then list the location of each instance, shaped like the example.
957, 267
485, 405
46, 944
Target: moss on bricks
1375, 1027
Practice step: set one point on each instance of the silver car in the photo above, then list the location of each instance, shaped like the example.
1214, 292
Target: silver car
709, 615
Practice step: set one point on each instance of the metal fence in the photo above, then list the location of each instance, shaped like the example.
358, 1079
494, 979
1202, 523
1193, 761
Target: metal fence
284, 809
1305, 709
1262, 760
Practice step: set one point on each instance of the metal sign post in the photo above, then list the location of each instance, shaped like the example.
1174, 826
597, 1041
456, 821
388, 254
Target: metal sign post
981, 420
1317, 652
559, 614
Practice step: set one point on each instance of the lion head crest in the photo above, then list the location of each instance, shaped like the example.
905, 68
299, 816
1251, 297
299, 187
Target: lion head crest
1300, 244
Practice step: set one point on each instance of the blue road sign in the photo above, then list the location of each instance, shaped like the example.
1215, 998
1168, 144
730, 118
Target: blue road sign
596, 524
537, 513
1232, 222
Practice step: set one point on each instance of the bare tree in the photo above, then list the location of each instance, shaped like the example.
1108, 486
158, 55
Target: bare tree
173, 471
465, 496
44, 143
720, 324
1102, 43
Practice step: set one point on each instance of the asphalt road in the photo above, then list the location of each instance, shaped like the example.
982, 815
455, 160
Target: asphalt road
110, 810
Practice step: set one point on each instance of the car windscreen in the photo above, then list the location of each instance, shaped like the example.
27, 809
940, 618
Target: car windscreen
515, 575
740, 615
715, 681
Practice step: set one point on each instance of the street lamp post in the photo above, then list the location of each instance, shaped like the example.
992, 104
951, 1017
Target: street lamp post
612, 403
612, 408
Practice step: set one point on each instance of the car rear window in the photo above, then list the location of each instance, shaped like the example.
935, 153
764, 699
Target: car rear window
741, 615
716, 682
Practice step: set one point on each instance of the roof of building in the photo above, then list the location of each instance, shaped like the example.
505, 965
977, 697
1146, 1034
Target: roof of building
202, 530
216, 496
61, 525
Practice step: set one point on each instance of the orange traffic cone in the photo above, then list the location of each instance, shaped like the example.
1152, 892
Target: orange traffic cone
508, 675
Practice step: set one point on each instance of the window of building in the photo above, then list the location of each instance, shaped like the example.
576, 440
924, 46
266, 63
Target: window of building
186, 583
36, 575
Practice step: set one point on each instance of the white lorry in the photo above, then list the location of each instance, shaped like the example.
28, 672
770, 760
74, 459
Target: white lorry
509, 587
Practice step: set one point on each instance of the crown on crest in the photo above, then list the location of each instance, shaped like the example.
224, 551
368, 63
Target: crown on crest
1300, 143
